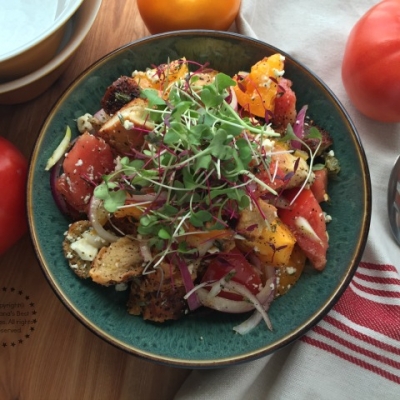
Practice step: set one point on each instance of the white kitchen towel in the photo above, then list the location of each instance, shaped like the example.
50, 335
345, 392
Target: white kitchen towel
354, 352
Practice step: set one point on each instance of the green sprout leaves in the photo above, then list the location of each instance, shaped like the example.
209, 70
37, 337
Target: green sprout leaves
195, 162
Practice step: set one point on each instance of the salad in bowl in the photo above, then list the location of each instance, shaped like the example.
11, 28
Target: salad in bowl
191, 188
198, 198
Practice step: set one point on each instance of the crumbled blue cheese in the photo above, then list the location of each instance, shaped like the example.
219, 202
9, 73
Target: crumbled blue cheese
84, 123
128, 125
93, 239
278, 73
84, 249
327, 217
87, 245
152, 75
268, 144
120, 287
291, 270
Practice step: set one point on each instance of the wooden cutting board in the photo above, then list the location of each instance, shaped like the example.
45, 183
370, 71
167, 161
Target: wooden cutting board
45, 352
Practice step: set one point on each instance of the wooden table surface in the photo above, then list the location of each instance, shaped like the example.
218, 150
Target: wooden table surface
57, 357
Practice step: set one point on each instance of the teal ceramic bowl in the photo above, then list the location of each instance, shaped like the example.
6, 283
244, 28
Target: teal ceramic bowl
203, 340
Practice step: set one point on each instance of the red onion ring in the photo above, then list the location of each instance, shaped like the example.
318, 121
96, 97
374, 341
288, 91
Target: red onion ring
232, 99
192, 297
298, 127
94, 205
233, 306
250, 323
55, 172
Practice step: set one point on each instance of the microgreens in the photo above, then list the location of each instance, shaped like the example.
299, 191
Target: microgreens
196, 159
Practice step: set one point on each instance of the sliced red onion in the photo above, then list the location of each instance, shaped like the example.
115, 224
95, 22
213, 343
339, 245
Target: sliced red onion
192, 297
203, 248
278, 201
241, 289
137, 198
270, 271
250, 323
232, 99
55, 172
94, 206
195, 288
232, 306
101, 116
222, 304
216, 288
298, 127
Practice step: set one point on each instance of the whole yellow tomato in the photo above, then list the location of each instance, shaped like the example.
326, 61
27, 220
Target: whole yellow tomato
169, 15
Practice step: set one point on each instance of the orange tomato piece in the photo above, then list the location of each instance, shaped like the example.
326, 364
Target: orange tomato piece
131, 211
162, 16
162, 77
198, 239
256, 92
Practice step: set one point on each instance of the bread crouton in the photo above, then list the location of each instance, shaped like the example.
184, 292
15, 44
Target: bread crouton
124, 131
162, 306
159, 296
77, 264
117, 263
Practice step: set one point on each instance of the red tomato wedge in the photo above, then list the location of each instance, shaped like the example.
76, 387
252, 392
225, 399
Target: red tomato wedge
320, 185
89, 159
275, 178
245, 273
285, 104
307, 222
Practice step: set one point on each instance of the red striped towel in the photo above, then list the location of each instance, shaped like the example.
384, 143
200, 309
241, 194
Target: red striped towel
364, 326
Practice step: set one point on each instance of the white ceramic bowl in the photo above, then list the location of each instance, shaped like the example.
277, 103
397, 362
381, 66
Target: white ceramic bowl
31, 33
32, 85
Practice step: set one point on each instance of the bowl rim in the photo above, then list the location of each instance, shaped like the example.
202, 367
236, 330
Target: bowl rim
70, 7
74, 40
281, 342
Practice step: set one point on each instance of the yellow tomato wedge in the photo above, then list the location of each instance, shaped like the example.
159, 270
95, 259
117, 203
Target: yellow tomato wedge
288, 275
266, 235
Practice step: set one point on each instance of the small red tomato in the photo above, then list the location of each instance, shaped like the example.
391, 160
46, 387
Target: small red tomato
370, 67
13, 176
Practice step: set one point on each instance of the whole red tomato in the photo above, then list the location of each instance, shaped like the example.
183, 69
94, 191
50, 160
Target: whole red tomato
163, 16
371, 63
13, 175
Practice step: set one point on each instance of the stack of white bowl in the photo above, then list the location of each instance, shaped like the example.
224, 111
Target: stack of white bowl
38, 38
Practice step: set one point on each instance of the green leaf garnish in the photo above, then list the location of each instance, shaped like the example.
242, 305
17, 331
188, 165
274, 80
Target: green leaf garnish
195, 164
